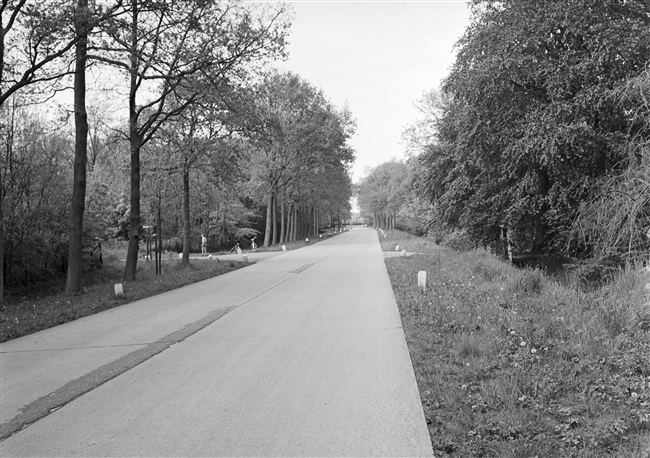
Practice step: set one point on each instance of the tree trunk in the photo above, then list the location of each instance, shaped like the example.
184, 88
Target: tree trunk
224, 232
135, 140
283, 224
186, 215
539, 238
292, 232
2, 243
508, 245
289, 223
503, 240
2, 191
159, 239
301, 222
2, 218
309, 221
134, 215
275, 221
75, 250
298, 223
267, 231
305, 222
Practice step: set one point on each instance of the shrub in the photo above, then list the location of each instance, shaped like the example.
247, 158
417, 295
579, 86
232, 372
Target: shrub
460, 241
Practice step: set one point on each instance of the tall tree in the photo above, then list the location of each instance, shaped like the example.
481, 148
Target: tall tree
161, 46
530, 114
383, 192
75, 251
613, 223
196, 139
295, 133
40, 39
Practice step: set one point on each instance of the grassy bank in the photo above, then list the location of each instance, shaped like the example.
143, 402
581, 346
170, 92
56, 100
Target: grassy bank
510, 363
48, 306
398, 241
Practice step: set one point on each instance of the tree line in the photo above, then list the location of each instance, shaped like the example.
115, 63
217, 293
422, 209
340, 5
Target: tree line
187, 130
537, 139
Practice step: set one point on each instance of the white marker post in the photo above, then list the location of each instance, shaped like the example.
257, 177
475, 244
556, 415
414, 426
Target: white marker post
396, 247
119, 290
422, 280
284, 248
403, 253
245, 258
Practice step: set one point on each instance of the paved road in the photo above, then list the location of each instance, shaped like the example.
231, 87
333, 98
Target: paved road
298, 355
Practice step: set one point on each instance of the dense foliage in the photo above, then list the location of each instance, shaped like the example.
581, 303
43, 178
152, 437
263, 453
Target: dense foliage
297, 156
535, 114
382, 193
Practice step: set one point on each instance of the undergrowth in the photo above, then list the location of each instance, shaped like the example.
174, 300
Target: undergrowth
512, 364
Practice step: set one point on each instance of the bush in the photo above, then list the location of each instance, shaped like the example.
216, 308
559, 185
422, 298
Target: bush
459, 241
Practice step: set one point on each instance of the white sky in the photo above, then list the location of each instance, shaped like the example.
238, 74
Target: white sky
379, 57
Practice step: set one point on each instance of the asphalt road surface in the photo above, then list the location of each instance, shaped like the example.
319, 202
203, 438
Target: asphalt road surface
301, 354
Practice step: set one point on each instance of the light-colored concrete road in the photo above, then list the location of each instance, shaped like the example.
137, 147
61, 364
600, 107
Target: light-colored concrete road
299, 355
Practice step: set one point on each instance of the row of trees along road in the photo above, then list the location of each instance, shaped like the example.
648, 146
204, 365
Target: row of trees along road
382, 193
541, 129
298, 156
188, 76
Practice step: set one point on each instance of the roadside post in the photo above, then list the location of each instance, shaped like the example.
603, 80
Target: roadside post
422, 280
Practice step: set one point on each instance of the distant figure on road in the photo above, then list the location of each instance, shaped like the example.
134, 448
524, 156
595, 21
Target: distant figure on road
236, 248
253, 244
204, 245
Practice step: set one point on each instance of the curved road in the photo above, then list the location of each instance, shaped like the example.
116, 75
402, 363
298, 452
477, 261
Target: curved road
301, 354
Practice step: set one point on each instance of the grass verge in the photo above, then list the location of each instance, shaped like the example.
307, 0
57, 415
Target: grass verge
398, 241
510, 363
33, 311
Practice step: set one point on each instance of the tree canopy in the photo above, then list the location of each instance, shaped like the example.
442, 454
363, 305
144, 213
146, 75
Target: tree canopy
532, 116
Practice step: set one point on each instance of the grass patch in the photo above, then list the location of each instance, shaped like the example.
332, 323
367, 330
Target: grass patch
38, 309
510, 363
390, 240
